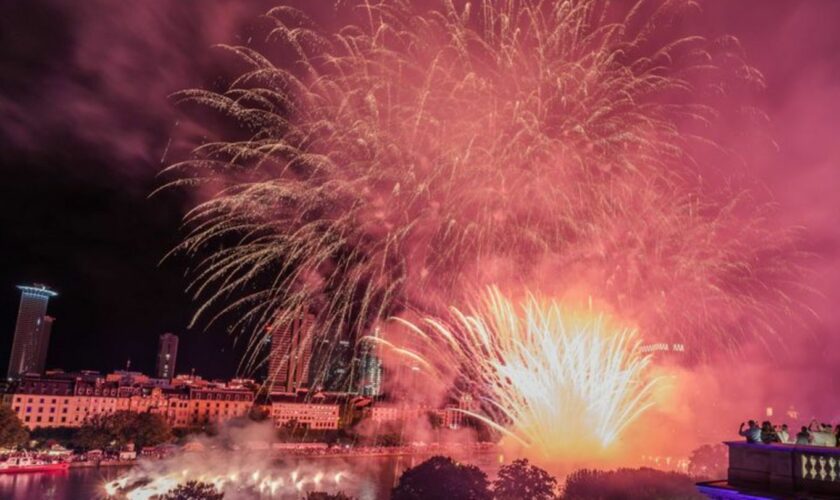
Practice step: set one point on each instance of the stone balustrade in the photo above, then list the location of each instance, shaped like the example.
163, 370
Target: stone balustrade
777, 471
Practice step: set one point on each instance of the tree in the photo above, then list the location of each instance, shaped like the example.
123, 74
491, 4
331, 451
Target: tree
193, 490
435, 420
149, 429
709, 461
258, 414
484, 433
442, 477
390, 439
46, 436
629, 484
123, 427
291, 430
12, 431
92, 435
522, 480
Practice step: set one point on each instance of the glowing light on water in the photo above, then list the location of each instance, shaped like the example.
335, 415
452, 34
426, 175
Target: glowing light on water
140, 486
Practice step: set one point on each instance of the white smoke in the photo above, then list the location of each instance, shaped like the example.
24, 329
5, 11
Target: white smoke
240, 463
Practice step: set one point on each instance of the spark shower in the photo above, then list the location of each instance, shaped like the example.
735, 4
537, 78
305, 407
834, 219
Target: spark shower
408, 158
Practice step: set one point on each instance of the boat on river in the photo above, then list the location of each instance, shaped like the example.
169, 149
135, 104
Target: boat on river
17, 464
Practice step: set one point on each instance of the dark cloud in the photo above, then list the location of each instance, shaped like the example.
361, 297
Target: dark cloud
98, 74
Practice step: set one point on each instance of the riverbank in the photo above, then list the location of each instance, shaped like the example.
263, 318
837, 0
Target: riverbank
279, 451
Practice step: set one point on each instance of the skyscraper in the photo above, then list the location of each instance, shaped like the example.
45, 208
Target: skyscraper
167, 352
291, 354
32, 331
370, 369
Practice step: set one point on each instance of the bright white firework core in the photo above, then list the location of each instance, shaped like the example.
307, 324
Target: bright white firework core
557, 381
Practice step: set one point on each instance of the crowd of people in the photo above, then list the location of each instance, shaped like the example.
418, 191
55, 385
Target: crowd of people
815, 434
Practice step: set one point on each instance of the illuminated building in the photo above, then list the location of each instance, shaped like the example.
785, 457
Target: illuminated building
167, 353
318, 411
382, 413
291, 354
32, 331
217, 403
370, 369
62, 400
68, 400
335, 363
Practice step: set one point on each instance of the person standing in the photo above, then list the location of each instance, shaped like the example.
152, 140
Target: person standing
784, 434
752, 433
768, 433
804, 436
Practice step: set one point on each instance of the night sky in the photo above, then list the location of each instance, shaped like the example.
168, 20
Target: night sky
85, 126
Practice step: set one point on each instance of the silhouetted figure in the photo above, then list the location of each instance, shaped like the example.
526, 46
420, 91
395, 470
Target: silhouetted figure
804, 436
752, 433
768, 433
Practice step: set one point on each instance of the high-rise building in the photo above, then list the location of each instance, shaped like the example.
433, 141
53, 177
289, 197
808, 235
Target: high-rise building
32, 331
167, 352
291, 353
46, 331
370, 369
332, 365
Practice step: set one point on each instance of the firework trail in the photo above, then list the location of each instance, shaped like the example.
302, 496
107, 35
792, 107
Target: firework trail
564, 384
397, 159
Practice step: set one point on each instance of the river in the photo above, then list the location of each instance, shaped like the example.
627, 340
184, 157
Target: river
379, 476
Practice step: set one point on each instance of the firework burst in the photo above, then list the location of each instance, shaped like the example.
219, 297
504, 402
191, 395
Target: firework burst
564, 384
388, 163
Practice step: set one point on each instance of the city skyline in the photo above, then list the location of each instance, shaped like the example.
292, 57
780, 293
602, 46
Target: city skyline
77, 196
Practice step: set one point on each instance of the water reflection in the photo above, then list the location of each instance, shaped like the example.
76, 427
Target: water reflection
378, 475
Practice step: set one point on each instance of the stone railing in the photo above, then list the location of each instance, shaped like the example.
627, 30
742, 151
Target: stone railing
778, 468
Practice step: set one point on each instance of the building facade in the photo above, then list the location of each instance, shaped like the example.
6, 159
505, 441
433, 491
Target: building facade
60, 400
32, 331
167, 354
215, 404
317, 411
68, 400
291, 354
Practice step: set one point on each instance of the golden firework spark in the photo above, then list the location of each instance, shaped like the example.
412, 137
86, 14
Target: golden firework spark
384, 165
563, 383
